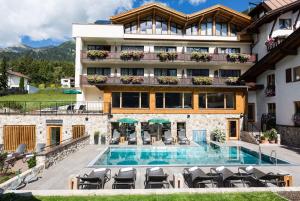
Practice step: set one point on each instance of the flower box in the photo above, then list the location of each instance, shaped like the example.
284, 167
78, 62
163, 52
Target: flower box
96, 79
231, 81
199, 56
241, 58
164, 56
202, 80
97, 54
131, 55
167, 80
126, 79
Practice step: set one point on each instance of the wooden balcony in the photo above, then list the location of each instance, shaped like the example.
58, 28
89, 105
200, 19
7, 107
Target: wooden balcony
154, 81
114, 57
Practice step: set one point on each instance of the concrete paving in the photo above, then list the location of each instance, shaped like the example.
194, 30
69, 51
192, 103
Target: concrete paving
56, 177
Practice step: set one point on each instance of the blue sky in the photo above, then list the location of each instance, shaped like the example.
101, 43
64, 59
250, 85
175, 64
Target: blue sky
185, 6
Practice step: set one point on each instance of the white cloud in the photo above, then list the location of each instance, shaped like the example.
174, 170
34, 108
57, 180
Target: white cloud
152, 1
45, 19
193, 2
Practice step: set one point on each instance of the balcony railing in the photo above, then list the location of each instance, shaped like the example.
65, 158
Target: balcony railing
156, 81
270, 91
152, 57
274, 42
53, 107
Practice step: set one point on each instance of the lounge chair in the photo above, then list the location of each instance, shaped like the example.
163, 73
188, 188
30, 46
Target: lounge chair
182, 139
125, 179
196, 178
264, 178
146, 138
132, 138
227, 178
40, 147
116, 137
82, 109
70, 109
96, 179
156, 178
12, 158
168, 139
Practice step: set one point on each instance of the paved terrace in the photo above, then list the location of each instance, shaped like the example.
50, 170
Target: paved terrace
56, 177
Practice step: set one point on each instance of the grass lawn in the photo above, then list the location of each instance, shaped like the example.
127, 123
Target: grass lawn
265, 196
7, 176
32, 100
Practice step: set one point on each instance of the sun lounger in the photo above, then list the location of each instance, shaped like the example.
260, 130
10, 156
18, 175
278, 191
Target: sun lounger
132, 138
146, 138
156, 178
125, 179
168, 139
14, 157
116, 137
70, 109
82, 109
182, 139
196, 178
96, 179
263, 177
227, 178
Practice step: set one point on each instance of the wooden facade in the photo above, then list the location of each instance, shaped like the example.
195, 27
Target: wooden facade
78, 131
14, 135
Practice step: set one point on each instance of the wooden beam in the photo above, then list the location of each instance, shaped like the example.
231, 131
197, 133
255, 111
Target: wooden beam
289, 51
199, 24
271, 32
295, 24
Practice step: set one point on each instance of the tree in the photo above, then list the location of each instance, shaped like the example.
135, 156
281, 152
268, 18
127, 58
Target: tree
3, 74
21, 83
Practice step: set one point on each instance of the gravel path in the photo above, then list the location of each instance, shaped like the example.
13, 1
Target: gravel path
291, 195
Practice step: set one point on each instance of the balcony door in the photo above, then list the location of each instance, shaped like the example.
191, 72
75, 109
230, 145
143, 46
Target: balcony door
233, 132
54, 135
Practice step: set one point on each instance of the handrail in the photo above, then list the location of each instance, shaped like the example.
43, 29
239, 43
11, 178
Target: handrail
272, 159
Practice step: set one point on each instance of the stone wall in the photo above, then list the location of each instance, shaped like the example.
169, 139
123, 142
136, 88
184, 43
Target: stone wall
248, 137
92, 123
60, 152
289, 135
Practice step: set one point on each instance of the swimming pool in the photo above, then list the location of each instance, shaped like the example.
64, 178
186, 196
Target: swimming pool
203, 155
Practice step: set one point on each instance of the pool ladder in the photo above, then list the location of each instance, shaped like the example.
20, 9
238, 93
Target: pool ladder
273, 159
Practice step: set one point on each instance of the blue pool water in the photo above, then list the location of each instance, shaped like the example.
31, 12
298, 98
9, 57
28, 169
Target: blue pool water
205, 155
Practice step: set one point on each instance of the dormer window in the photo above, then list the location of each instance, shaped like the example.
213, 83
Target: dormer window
130, 27
161, 25
221, 29
192, 30
176, 29
285, 23
146, 25
206, 27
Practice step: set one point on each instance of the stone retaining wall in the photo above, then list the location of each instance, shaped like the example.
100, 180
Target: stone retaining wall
247, 137
60, 152
290, 135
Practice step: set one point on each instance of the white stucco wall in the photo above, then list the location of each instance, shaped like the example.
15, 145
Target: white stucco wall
14, 81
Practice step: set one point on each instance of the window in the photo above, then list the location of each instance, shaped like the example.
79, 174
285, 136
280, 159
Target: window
173, 100
226, 50
221, 29
164, 49
192, 30
288, 75
297, 74
98, 71
197, 49
206, 27
132, 71
251, 112
132, 48
176, 29
146, 25
130, 100
271, 108
130, 28
297, 107
98, 47
285, 23
229, 73
165, 72
216, 100
197, 72
233, 29
271, 80
161, 25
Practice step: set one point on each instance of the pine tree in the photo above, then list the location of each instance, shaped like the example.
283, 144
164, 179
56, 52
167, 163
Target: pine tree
21, 83
3, 74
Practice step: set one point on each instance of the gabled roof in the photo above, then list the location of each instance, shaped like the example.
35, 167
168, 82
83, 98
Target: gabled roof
275, 4
178, 14
18, 74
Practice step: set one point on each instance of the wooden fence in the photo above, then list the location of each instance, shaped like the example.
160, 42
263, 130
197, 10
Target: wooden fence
13, 135
78, 131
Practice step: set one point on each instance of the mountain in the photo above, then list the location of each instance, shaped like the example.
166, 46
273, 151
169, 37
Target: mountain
62, 52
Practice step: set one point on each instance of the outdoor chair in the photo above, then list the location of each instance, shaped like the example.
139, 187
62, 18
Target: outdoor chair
82, 109
132, 138
264, 178
156, 178
96, 179
168, 139
39, 148
125, 179
146, 138
12, 158
22, 182
116, 137
70, 109
182, 139
196, 178
227, 178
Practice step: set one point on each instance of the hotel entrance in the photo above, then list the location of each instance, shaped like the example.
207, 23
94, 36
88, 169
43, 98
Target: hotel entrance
233, 132
54, 135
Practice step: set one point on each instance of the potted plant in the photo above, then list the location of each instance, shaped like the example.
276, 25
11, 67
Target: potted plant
31, 162
231, 80
200, 80
172, 56
232, 57
92, 54
126, 55
96, 137
137, 55
137, 80
100, 79
163, 56
91, 79
272, 135
126, 79
103, 139
199, 56
101, 54
167, 80
264, 139
218, 135
243, 58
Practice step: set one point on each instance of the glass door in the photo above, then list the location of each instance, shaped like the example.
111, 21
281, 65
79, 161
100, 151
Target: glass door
233, 129
54, 135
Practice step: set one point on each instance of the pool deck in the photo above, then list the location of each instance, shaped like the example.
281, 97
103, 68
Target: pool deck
56, 177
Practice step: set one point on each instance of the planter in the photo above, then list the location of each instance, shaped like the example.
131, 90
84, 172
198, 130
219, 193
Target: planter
198, 56
272, 141
137, 80
103, 140
231, 81
97, 54
264, 141
126, 79
164, 56
167, 80
202, 80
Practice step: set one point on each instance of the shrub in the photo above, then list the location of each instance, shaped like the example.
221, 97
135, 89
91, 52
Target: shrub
167, 80
41, 86
97, 54
164, 56
126, 55
172, 56
137, 80
32, 162
231, 80
99, 79
21, 83
3, 157
199, 56
232, 57
202, 80
137, 55
52, 86
12, 105
91, 79
271, 134
243, 58
126, 79
219, 135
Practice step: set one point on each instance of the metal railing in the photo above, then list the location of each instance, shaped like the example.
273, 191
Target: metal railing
152, 56
53, 107
274, 43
